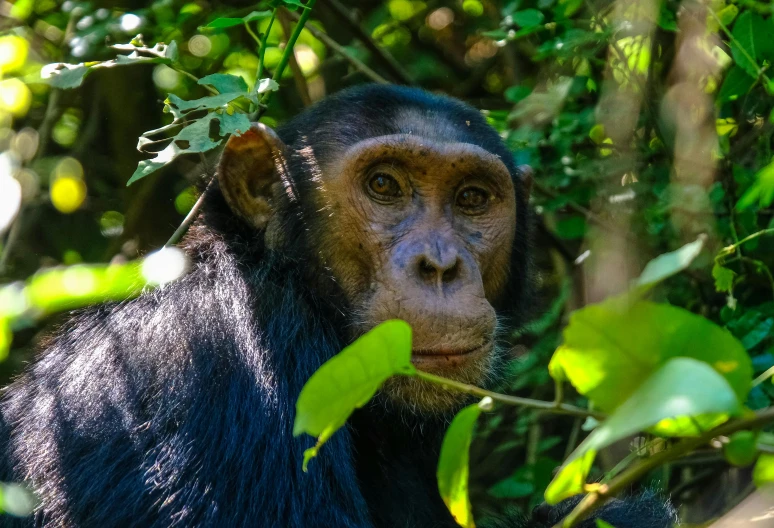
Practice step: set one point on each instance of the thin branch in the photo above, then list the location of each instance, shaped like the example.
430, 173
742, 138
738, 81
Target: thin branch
262, 51
597, 498
553, 407
341, 50
382, 56
298, 76
190, 217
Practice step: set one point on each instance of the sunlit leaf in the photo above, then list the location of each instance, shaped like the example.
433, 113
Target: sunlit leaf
612, 347
763, 473
668, 264
5, 337
681, 387
453, 467
571, 479
349, 379
752, 41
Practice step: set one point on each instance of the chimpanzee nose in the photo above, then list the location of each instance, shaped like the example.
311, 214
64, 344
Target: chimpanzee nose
439, 267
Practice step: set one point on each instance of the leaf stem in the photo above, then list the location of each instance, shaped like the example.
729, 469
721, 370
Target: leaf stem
190, 217
605, 492
730, 249
560, 408
262, 51
280, 69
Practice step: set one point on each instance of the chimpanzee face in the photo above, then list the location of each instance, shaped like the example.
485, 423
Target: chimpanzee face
410, 228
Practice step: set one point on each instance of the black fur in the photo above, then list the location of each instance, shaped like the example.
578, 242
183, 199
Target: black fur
176, 408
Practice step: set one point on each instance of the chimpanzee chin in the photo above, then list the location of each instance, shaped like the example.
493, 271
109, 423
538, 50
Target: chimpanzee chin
176, 408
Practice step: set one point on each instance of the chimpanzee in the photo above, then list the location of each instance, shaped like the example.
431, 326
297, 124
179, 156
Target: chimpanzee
176, 408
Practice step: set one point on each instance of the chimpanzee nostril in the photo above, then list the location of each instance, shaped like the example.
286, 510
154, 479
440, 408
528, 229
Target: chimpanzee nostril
426, 269
438, 272
451, 273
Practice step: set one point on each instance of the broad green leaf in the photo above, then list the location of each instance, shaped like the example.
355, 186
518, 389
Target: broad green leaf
61, 75
757, 334
668, 264
612, 347
761, 191
453, 467
225, 22
571, 479
161, 159
64, 76
752, 42
724, 278
236, 123
225, 83
180, 106
528, 18
763, 473
681, 388
349, 379
736, 84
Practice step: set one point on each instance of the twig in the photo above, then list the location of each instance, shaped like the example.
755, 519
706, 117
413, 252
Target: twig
387, 60
341, 50
288, 52
595, 499
190, 217
262, 51
298, 75
562, 408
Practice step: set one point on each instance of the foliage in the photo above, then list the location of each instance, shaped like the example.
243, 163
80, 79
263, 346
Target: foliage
649, 128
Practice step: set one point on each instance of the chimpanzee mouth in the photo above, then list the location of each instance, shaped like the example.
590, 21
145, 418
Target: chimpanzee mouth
447, 356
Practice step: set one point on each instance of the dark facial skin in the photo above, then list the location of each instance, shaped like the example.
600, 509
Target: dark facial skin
421, 231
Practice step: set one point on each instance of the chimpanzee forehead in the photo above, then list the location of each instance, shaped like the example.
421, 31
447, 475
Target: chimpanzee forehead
349, 117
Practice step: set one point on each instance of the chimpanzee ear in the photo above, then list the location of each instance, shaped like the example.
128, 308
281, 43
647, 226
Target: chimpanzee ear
248, 169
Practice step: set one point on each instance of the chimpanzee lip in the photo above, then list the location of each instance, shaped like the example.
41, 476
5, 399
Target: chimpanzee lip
444, 351
447, 355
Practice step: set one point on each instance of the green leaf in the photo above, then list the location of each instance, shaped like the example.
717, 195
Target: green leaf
349, 379
682, 387
266, 85
761, 331
761, 191
724, 278
764, 470
571, 228
603, 524
736, 84
727, 14
225, 83
179, 106
64, 76
668, 264
528, 18
236, 123
225, 22
741, 449
149, 166
453, 467
5, 337
751, 41
611, 348
571, 479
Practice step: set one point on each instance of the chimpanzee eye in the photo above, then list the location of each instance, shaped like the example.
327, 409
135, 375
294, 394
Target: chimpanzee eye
473, 200
383, 187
